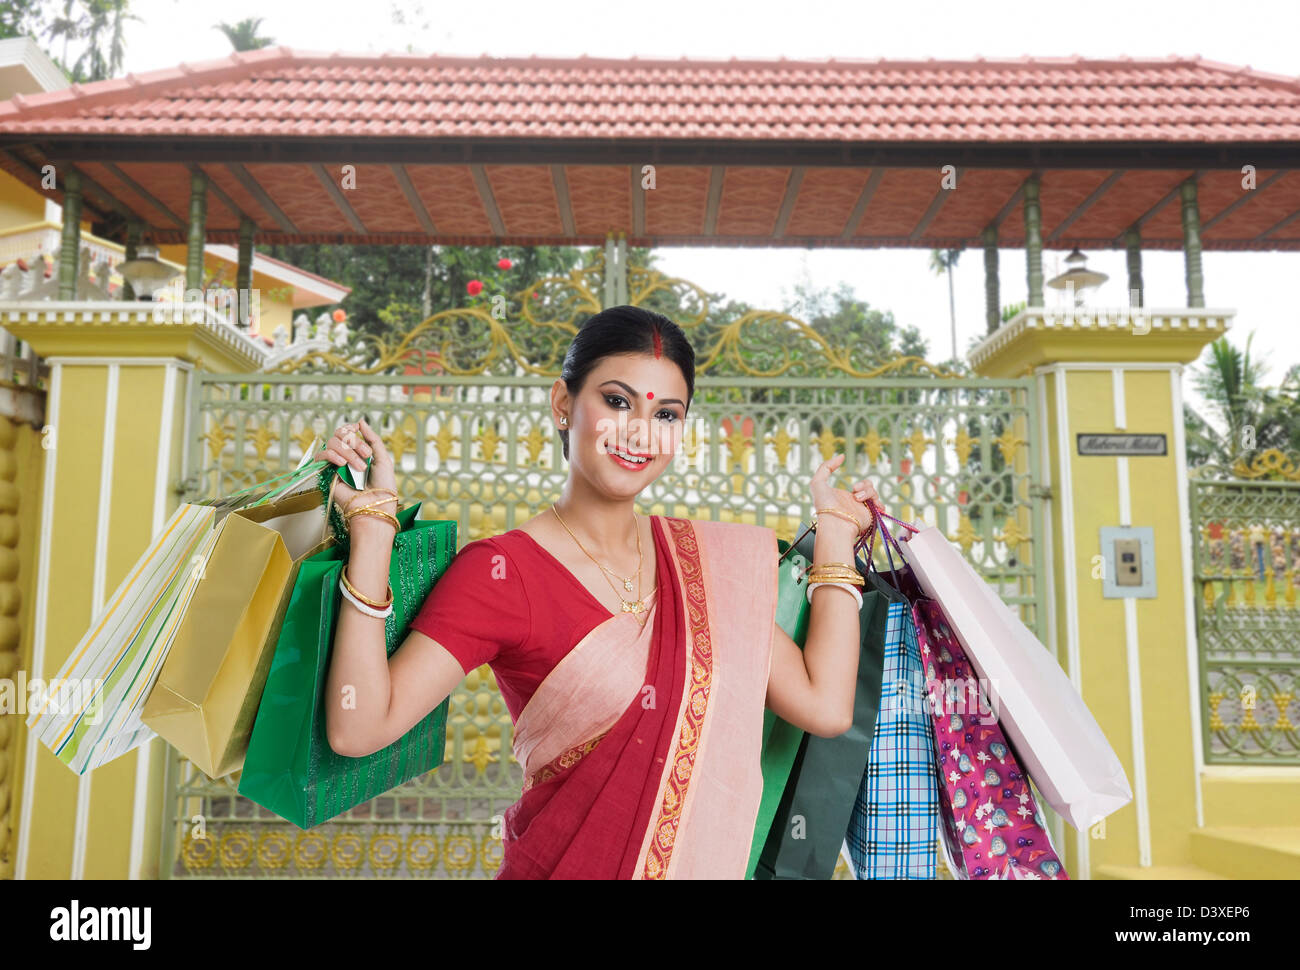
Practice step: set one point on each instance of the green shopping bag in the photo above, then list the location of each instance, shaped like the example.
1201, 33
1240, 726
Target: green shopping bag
781, 739
821, 785
290, 767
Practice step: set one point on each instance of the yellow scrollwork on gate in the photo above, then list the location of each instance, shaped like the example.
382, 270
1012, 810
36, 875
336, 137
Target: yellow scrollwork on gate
542, 318
1270, 463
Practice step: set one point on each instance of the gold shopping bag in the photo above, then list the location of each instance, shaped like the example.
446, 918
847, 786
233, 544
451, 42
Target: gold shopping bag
205, 700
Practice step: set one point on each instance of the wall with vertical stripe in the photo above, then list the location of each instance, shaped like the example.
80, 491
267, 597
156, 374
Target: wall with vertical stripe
116, 422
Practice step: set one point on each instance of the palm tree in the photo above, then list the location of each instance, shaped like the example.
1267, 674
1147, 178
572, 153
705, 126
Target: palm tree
942, 261
100, 24
243, 35
1253, 417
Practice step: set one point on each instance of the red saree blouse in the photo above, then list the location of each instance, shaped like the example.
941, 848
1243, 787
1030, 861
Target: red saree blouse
640, 745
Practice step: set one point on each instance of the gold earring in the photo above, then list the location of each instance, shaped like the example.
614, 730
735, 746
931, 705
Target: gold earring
563, 420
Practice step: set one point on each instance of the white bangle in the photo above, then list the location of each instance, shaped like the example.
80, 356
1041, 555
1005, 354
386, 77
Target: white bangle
368, 610
844, 586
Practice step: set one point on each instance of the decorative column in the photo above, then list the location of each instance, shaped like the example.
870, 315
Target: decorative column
194, 239
1034, 241
1133, 659
70, 246
615, 290
1192, 245
133, 231
244, 271
1133, 244
992, 303
115, 413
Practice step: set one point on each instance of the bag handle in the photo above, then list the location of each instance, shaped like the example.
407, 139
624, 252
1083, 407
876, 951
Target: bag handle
888, 542
867, 534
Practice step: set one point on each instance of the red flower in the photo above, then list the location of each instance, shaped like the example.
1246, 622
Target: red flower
474, 287
504, 263
339, 315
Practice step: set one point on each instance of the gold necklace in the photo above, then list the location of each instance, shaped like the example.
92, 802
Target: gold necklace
629, 606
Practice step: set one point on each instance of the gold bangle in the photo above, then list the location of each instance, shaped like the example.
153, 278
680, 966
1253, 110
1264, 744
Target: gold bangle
844, 575
840, 513
839, 580
826, 577
373, 505
373, 604
379, 512
835, 565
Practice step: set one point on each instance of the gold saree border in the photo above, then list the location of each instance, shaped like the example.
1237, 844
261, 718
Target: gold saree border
564, 760
696, 707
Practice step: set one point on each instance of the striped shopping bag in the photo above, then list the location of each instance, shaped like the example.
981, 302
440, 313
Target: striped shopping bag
89, 713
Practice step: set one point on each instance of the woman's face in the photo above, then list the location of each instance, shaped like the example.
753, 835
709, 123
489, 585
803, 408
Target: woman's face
625, 424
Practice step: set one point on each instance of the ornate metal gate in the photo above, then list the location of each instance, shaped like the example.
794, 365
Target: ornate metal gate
1246, 541
462, 403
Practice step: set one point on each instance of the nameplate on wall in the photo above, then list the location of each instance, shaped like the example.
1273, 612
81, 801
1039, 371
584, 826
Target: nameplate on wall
1123, 445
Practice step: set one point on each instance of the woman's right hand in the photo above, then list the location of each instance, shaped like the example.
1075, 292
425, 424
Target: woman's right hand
352, 444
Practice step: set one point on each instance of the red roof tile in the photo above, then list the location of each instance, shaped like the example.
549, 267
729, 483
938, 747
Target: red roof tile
282, 92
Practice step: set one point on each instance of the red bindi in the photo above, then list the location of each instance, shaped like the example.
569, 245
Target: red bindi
649, 395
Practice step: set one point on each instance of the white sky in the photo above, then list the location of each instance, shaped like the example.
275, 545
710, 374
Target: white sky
1259, 286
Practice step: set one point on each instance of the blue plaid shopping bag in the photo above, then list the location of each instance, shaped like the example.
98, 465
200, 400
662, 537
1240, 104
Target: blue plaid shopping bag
893, 830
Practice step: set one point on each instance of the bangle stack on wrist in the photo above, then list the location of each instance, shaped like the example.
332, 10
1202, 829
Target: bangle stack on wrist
371, 509
841, 574
362, 602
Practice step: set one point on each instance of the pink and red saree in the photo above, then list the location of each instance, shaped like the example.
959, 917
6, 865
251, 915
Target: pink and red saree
641, 747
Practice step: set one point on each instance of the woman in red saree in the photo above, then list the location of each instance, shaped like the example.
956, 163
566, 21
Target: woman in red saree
638, 722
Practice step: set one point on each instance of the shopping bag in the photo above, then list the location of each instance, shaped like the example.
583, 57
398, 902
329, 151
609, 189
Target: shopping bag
987, 809
893, 829
781, 739
90, 712
207, 692
1056, 738
290, 767
807, 829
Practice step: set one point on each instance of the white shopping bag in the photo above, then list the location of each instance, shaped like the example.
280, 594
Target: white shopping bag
1056, 739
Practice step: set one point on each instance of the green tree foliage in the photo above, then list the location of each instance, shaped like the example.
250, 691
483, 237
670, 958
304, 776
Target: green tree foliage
22, 18
94, 26
1244, 416
243, 36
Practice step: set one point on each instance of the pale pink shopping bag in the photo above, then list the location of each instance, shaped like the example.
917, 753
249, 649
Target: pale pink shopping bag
1055, 736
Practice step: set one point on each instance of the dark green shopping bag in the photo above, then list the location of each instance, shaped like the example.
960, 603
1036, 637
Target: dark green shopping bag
290, 767
781, 739
808, 826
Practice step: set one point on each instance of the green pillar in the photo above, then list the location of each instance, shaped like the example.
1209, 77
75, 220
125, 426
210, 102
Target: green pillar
992, 307
198, 215
1133, 243
244, 271
70, 246
133, 231
615, 289
1034, 242
1192, 245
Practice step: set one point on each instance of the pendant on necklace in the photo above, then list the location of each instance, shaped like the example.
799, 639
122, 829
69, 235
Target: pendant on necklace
627, 585
636, 607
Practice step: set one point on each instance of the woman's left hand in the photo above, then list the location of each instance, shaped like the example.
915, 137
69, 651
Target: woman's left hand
852, 502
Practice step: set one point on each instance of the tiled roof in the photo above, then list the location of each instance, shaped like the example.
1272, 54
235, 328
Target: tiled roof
282, 92
414, 149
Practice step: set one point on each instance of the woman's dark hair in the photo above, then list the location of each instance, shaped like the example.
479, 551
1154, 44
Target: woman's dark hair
625, 330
